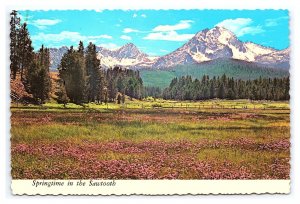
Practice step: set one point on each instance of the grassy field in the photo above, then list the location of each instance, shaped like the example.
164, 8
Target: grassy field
149, 139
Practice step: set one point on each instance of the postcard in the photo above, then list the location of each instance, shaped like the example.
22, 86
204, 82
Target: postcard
149, 102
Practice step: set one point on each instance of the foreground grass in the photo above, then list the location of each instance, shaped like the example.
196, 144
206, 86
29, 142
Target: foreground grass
179, 143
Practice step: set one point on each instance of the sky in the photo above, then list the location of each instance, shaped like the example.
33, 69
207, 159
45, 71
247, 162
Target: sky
155, 32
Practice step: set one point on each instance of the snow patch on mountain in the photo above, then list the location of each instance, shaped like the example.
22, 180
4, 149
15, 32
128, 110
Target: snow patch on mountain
219, 42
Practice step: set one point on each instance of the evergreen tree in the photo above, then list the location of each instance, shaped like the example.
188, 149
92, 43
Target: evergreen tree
81, 48
95, 78
221, 91
38, 76
25, 50
212, 89
61, 93
105, 95
14, 35
73, 72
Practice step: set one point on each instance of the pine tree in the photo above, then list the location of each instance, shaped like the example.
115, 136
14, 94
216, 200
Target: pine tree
73, 72
25, 50
111, 78
38, 77
287, 89
100, 86
95, 83
81, 48
61, 93
221, 91
14, 34
212, 89
105, 95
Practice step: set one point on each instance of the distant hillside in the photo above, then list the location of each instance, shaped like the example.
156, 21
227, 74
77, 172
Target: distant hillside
237, 69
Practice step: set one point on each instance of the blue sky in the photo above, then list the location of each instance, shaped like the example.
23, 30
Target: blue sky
155, 32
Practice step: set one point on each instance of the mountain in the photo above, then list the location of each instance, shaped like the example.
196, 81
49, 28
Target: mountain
276, 59
128, 55
206, 45
218, 43
55, 56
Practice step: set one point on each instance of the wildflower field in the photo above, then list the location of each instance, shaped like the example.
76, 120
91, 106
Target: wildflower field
193, 140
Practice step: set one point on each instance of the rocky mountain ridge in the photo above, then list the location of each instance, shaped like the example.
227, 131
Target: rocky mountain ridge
206, 45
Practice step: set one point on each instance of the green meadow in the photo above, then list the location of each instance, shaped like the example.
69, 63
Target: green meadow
152, 139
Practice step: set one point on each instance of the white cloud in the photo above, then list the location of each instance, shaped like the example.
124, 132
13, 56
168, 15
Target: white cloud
168, 32
130, 30
100, 36
271, 22
134, 15
43, 23
125, 37
241, 26
73, 36
183, 24
109, 45
67, 35
143, 16
250, 30
168, 36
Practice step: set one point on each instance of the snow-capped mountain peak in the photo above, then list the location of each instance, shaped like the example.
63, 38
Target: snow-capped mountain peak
129, 51
206, 45
219, 42
127, 56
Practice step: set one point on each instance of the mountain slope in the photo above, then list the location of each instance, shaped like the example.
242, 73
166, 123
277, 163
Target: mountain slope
55, 56
217, 43
206, 45
237, 69
128, 55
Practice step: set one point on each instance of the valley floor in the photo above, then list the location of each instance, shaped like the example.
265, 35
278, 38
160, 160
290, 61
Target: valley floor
170, 140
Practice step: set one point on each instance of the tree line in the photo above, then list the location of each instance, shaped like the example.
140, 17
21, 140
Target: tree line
83, 80
33, 67
186, 88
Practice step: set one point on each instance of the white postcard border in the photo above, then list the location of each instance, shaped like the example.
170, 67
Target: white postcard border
292, 5
148, 187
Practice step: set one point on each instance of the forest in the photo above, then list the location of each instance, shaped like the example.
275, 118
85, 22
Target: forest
82, 79
185, 88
